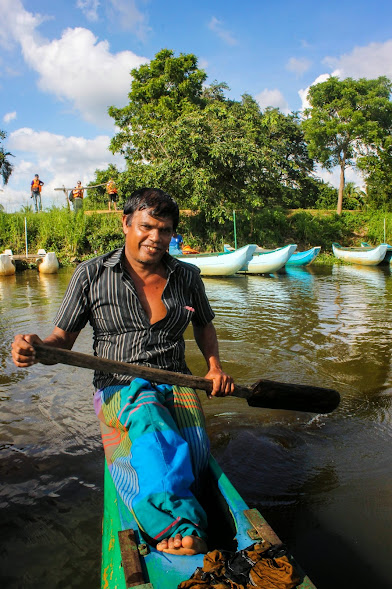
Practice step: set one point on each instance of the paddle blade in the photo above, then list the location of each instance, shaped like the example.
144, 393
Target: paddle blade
294, 397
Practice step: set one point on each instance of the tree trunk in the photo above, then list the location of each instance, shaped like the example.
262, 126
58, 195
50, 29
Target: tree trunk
341, 188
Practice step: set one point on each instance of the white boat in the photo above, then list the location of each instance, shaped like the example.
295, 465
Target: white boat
47, 263
268, 261
220, 264
7, 264
366, 256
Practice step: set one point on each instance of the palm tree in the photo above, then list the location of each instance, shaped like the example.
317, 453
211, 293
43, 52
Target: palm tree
5, 165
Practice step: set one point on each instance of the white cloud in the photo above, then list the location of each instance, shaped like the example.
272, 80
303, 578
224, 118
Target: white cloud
9, 116
75, 68
370, 61
58, 160
89, 9
130, 18
216, 26
298, 66
272, 98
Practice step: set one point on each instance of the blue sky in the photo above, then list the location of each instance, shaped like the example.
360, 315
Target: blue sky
63, 62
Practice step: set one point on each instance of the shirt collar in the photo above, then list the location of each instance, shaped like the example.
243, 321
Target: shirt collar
115, 257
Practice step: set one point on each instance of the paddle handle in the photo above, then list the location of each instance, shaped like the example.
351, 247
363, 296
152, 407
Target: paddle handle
53, 355
264, 393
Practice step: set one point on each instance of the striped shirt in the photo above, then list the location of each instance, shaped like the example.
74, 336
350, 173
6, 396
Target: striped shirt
102, 293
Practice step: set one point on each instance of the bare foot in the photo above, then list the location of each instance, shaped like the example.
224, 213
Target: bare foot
187, 545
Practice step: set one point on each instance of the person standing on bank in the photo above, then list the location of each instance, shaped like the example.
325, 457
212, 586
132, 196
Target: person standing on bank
36, 187
139, 301
78, 194
111, 189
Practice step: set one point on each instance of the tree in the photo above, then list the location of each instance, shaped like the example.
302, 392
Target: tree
212, 153
161, 91
347, 119
5, 165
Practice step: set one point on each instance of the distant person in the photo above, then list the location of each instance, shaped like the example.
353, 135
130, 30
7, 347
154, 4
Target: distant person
176, 243
78, 194
111, 189
36, 187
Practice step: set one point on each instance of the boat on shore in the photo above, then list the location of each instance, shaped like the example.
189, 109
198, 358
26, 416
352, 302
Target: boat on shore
7, 264
220, 264
268, 261
47, 262
128, 562
388, 256
303, 258
366, 256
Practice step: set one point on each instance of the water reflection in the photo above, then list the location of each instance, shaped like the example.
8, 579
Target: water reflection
374, 276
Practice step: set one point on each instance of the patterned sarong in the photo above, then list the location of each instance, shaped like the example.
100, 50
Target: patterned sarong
157, 449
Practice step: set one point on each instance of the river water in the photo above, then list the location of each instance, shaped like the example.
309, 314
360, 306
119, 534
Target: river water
322, 482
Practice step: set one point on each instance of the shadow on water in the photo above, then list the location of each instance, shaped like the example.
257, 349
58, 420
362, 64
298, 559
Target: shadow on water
275, 470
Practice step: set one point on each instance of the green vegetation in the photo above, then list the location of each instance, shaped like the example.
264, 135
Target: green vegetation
348, 120
5, 165
77, 237
216, 155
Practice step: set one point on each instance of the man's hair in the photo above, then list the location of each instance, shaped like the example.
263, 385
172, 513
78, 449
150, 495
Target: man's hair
160, 203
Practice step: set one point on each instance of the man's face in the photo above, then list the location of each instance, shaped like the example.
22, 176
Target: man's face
147, 238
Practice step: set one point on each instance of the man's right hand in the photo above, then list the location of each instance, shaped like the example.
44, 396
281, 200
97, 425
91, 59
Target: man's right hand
23, 353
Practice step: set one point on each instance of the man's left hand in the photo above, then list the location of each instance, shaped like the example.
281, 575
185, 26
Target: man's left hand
223, 384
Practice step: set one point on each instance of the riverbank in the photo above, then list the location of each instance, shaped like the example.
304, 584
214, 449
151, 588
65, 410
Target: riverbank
77, 237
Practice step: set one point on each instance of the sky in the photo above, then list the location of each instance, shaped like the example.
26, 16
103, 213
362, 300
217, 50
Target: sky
64, 62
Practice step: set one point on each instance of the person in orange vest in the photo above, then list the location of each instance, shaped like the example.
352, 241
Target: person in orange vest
78, 194
112, 193
36, 187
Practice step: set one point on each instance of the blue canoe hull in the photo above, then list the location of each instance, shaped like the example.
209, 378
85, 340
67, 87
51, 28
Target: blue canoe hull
303, 258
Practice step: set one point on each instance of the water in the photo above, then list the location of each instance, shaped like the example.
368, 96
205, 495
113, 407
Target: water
322, 482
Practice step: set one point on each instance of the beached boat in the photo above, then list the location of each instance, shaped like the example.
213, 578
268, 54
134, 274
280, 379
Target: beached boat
303, 258
7, 264
388, 256
47, 262
367, 256
268, 261
220, 264
127, 563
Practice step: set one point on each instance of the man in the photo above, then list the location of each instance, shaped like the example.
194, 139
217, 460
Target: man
111, 189
139, 301
176, 243
78, 194
36, 187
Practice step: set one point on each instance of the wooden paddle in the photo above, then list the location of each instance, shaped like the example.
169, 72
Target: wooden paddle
264, 393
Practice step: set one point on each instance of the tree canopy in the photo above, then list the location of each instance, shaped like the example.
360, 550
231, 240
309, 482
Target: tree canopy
5, 165
347, 120
212, 153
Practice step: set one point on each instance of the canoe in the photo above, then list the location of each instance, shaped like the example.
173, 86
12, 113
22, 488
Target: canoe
7, 265
47, 263
268, 261
388, 256
367, 256
303, 258
220, 264
233, 526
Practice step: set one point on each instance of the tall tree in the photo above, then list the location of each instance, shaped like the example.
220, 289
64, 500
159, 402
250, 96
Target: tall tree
161, 91
347, 119
5, 165
213, 153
